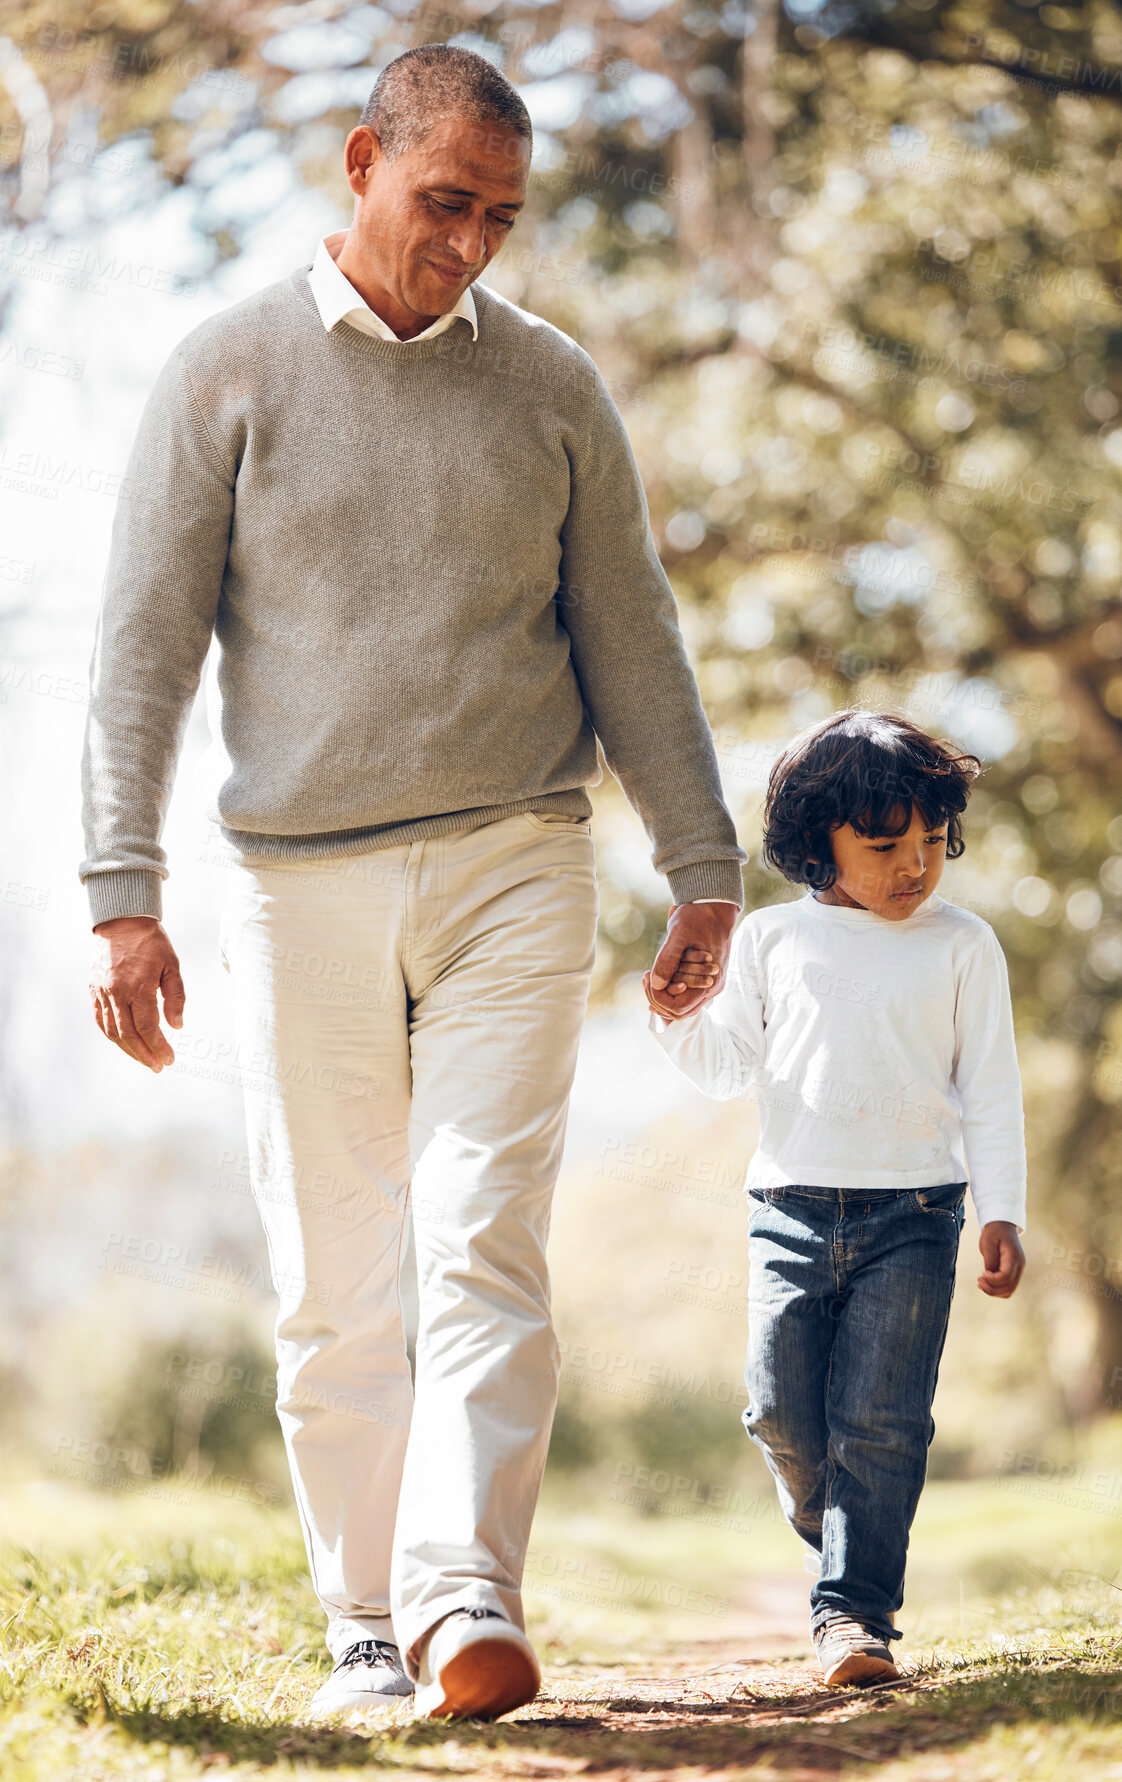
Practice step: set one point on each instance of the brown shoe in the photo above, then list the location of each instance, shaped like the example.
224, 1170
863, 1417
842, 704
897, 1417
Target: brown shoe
852, 1654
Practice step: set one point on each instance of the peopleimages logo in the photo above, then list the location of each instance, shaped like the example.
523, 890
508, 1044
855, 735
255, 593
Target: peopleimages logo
164, 1262
30, 472
612, 1371
27, 357
49, 260
575, 1579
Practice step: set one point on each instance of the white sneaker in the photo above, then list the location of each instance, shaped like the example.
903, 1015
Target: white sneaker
476, 1666
370, 1674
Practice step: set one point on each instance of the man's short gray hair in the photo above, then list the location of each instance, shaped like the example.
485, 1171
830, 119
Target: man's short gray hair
440, 81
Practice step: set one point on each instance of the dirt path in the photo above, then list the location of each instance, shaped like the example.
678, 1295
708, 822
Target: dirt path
748, 1699
683, 1721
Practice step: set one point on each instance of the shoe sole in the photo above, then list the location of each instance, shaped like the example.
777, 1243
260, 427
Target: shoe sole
486, 1679
860, 1667
365, 1700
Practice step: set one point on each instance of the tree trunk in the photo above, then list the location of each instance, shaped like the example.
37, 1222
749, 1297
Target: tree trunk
758, 139
1107, 1381
693, 173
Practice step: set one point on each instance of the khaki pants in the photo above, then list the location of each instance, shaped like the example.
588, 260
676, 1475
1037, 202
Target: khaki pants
409, 1021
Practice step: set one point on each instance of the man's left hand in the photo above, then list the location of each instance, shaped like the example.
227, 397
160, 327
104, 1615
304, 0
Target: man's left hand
707, 929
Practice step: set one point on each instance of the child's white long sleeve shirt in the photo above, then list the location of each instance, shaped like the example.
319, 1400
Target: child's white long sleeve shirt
881, 1054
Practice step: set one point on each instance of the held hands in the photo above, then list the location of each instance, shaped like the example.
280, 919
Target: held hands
1003, 1257
134, 958
691, 964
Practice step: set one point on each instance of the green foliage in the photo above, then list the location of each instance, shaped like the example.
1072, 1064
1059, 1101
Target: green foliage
699, 1442
199, 1413
876, 405
855, 277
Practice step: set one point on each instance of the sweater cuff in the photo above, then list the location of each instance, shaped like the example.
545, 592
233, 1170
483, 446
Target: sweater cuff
126, 891
716, 879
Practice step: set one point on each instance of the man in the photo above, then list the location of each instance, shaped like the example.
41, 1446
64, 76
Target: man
410, 515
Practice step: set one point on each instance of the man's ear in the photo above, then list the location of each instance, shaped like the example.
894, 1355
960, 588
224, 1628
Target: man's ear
361, 155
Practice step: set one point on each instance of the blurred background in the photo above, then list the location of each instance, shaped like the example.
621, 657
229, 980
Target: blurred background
853, 271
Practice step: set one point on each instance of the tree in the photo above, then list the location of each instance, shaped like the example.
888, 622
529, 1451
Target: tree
854, 273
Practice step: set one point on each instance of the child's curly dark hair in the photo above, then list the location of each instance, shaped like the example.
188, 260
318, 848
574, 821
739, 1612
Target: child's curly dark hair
869, 769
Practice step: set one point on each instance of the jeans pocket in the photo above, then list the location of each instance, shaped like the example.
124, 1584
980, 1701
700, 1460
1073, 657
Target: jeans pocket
947, 1201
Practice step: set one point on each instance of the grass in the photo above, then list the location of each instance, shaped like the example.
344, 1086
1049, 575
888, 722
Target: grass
171, 1633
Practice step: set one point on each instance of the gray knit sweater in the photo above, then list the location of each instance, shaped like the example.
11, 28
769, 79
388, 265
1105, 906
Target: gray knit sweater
431, 577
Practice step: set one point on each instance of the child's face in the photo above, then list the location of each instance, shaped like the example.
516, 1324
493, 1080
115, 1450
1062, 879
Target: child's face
891, 875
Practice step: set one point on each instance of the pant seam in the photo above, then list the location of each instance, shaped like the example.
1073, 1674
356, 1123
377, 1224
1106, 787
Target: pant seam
831, 1464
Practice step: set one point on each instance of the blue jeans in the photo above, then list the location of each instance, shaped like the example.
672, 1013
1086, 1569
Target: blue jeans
848, 1301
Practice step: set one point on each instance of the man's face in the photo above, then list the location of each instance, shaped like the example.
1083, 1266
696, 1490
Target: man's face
428, 222
892, 875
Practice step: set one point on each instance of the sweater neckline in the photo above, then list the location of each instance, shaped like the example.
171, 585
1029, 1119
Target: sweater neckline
840, 912
372, 344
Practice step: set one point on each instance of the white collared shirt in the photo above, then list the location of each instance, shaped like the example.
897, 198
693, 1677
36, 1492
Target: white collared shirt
338, 301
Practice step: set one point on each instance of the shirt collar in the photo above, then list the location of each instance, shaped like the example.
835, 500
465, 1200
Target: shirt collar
338, 301
843, 912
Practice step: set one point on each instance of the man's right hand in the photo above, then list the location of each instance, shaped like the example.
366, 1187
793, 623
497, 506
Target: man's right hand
133, 959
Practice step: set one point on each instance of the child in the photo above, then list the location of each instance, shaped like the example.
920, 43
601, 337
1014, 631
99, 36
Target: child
873, 1022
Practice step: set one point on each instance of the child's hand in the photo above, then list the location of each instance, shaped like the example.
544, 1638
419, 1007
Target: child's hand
700, 933
695, 971
1003, 1257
